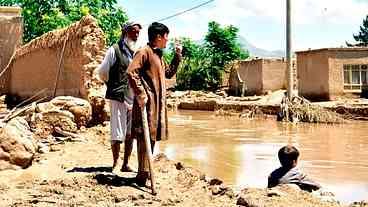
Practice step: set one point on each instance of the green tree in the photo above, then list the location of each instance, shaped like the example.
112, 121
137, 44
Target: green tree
222, 42
203, 65
42, 16
362, 37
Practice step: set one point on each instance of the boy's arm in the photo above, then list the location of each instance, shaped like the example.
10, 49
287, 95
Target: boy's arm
309, 184
134, 70
171, 69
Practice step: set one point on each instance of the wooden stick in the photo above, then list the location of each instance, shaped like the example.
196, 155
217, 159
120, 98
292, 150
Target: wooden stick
15, 113
147, 140
32, 97
59, 66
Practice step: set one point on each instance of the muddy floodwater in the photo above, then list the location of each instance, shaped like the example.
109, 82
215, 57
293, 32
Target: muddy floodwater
244, 152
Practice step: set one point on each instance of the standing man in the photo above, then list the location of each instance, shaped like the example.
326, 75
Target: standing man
147, 74
113, 71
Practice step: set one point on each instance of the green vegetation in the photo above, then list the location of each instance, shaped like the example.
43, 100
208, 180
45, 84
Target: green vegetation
362, 36
203, 64
42, 16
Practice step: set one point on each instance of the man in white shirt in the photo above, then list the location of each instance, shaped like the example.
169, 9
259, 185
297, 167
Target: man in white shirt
113, 71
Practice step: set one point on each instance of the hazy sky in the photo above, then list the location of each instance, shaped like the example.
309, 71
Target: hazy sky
316, 23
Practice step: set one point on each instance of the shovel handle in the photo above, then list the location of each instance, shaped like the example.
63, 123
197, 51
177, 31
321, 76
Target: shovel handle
147, 140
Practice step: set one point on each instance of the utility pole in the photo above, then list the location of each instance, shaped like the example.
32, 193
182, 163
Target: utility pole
290, 76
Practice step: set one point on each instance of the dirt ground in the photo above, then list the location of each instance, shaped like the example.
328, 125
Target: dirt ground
77, 174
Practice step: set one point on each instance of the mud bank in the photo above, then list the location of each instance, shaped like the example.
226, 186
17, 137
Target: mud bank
77, 174
267, 104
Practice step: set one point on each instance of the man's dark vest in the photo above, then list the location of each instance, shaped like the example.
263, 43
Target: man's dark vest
117, 85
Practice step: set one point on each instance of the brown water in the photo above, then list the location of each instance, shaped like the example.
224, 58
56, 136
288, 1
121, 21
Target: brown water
244, 152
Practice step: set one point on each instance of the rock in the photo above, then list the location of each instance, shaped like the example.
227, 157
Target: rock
202, 177
230, 193
161, 157
83, 129
359, 204
43, 148
179, 166
242, 202
218, 190
17, 144
44, 107
215, 181
55, 148
66, 112
80, 108
179, 94
45, 122
274, 192
100, 109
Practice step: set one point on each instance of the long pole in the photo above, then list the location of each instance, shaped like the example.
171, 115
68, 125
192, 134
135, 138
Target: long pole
288, 50
147, 140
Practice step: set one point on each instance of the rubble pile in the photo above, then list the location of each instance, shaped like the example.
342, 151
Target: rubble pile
40, 126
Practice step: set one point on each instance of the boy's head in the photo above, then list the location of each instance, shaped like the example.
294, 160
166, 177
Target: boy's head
158, 35
288, 156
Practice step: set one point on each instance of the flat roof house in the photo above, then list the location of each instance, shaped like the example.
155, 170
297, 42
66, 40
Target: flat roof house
328, 73
258, 76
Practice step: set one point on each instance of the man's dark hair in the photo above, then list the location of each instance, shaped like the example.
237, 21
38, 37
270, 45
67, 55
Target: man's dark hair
287, 155
155, 29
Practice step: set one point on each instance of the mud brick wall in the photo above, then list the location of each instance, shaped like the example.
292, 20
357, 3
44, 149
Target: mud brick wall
73, 50
11, 31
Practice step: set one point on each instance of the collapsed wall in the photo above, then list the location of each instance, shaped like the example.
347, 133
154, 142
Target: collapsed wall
11, 30
61, 60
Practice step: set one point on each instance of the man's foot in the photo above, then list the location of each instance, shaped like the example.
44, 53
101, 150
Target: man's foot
126, 168
115, 168
141, 179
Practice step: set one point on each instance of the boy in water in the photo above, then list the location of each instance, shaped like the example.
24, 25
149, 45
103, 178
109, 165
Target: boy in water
288, 173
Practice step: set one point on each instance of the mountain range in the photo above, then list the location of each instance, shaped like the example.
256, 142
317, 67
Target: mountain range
259, 52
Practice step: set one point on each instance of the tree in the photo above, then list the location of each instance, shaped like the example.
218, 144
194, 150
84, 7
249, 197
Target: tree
223, 42
42, 16
362, 36
203, 64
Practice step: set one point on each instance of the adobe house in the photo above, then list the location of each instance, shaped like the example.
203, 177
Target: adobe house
325, 74
257, 76
60, 61
11, 32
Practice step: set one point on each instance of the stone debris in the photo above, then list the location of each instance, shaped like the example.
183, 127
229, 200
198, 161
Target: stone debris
32, 130
17, 144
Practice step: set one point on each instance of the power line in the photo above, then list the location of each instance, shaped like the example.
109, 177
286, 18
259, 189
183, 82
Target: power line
185, 11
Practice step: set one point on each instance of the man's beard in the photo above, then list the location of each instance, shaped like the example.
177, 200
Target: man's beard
133, 46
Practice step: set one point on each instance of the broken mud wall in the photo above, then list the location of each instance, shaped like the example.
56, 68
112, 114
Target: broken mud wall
11, 32
234, 81
258, 76
250, 71
274, 74
64, 58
